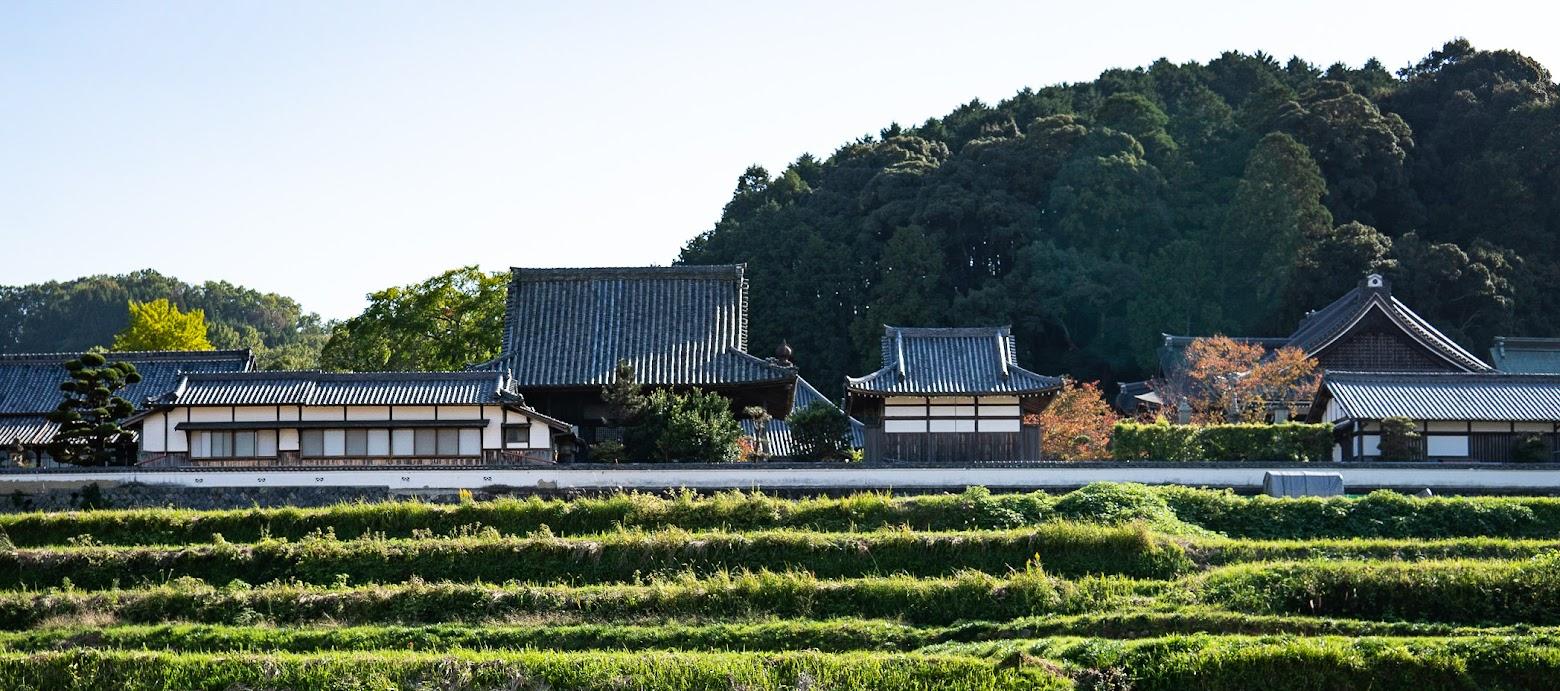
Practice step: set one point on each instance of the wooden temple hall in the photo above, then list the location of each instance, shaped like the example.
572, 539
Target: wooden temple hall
950, 394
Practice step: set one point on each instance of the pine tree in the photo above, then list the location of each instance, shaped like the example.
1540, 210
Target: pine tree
625, 402
89, 416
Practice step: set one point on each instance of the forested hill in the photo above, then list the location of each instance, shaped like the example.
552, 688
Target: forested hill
74, 315
1224, 197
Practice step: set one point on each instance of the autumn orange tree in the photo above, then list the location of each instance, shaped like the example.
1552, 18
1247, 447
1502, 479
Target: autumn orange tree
1222, 374
1077, 424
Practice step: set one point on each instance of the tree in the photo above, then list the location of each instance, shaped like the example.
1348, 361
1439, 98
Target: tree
444, 323
625, 399
1277, 209
1223, 377
88, 417
159, 325
692, 426
820, 431
1077, 424
1400, 440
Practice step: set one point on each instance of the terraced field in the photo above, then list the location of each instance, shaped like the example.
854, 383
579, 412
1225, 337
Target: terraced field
1108, 587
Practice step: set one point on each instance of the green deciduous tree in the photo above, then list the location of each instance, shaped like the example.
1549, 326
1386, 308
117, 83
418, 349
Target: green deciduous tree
159, 325
89, 416
695, 425
444, 323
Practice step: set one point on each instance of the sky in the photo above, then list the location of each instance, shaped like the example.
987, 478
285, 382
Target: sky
325, 150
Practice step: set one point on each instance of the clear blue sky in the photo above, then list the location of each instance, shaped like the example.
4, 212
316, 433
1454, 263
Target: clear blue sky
327, 149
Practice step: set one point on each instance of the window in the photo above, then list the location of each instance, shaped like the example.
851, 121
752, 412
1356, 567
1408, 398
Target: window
357, 442
424, 443
244, 444
449, 442
311, 443
221, 444
517, 435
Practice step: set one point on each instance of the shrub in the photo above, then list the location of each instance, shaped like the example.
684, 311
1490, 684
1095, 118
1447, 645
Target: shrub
820, 430
1078, 423
692, 426
1108, 502
1289, 442
1400, 439
1530, 448
609, 451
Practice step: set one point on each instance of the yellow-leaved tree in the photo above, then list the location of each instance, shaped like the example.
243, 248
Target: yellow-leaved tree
159, 325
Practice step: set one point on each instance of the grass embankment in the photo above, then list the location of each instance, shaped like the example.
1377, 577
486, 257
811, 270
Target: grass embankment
1171, 509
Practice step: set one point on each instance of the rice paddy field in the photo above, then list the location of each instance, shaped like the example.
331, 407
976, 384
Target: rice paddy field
1112, 586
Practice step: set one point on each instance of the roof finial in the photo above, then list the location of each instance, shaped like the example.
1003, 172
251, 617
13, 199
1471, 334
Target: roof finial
1376, 283
783, 352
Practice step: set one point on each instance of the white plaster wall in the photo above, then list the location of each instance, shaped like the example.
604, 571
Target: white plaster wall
254, 413
289, 412
210, 414
329, 412
460, 412
999, 425
1437, 447
904, 426
998, 410
541, 435
178, 440
414, 412
368, 412
154, 437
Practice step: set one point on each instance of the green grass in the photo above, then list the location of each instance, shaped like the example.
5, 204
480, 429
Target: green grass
1111, 587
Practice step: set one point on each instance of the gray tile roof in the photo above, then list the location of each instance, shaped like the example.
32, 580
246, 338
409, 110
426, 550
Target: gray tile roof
677, 325
26, 429
29, 382
1526, 355
777, 437
1476, 396
950, 361
340, 388
1324, 326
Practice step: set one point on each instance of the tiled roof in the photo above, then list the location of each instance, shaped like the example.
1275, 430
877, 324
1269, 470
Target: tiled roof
1526, 355
1476, 396
29, 383
1324, 326
950, 361
676, 324
777, 437
340, 388
26, 429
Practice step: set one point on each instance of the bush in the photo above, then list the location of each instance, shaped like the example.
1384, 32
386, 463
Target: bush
820, 430
1530, 448
1400, 439
692, 426
1109, 502
1287, 442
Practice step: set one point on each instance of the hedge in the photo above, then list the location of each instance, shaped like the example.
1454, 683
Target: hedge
1287, 442
1217, 663
1467, 592
668, 671
1067, 549
832, 635
1379, 514
968, 596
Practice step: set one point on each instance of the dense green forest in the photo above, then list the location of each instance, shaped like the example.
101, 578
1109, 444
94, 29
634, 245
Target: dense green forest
1229, 197
72, 316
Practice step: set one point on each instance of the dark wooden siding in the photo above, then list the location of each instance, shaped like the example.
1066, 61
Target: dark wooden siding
1023, 445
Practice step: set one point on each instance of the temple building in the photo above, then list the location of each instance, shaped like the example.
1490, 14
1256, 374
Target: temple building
1467, 416
270, 419
950, 394
30, 389
565, 330
1365, 330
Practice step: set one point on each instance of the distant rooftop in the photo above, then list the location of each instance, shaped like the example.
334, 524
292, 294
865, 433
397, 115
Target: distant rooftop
950, 361
677, 325
1526, 355
1475, 396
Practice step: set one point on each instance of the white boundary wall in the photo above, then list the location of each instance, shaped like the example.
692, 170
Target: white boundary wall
749, 477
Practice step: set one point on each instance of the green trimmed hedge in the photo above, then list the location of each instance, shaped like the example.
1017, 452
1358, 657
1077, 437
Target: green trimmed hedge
665, 671
1379, 514
968, 596
1467, 592
1068, 549
1287, 442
